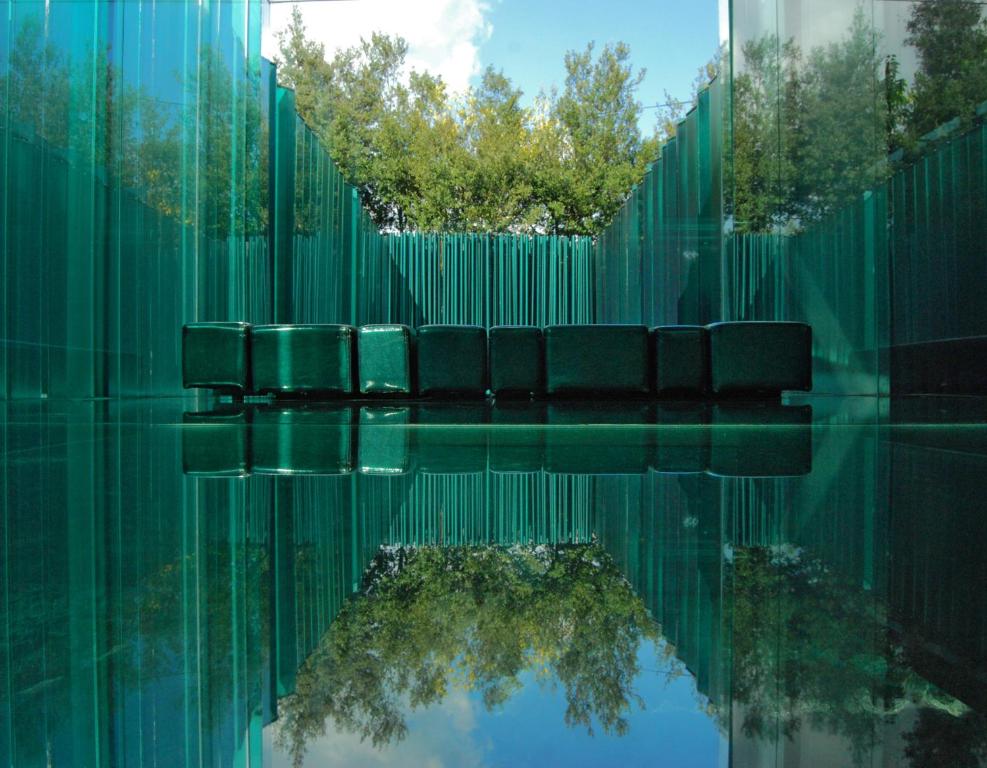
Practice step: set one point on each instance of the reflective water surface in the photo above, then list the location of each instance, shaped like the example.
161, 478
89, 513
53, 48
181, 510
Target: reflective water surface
189, 583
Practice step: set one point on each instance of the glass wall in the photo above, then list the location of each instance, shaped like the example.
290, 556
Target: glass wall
857, 184
133, 138
659, 261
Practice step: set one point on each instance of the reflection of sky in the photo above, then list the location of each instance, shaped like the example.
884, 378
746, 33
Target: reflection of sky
529, 730
815, 25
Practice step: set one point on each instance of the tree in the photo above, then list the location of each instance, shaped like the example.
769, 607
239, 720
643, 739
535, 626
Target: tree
603, 152
483, 162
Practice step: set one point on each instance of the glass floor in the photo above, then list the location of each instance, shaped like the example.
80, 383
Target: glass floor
187, 583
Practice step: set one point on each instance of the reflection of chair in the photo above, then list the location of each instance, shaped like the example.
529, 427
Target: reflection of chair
302, 359
450, 437
590, 359
216, 443
681, 439
452, 360
598, 438
386, 358
302, 441
216, 356
382, 441
761, 440
517, 436
516, 361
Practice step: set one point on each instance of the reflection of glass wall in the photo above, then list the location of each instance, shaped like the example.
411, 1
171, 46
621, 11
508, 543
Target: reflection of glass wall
156, 614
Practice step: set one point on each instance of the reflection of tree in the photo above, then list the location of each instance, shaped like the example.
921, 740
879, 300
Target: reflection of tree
141, 640
809, 647
813, 130
128, 136
808, 129
940, 739
950, 37
475, 618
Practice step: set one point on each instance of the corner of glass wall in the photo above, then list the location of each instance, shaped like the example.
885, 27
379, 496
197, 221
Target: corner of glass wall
807, 163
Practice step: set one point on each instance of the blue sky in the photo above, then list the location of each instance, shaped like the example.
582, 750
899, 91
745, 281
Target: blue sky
527, 39
669, 39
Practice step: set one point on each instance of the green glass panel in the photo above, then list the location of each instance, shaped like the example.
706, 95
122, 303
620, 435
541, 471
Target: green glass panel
302, 359
597, 358
516, 360
452, 359
134, 192
385, 357
681, 359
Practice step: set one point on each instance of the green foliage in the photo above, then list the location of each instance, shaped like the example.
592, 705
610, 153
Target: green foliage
432, 619
484, 162
811, 648
951, 39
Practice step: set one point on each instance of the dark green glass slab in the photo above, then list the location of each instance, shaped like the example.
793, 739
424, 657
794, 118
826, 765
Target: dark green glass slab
452, 360
302, 441
760, 440
302, 359
516, 360
449, 438
384, 354
216, 443
760, 357
681, 360
382, 447
586, 359
216, 356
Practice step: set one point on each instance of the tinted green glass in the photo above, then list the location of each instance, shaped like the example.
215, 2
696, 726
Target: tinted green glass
385, 358
297, 441
301, 359
216, 355
452, 359
680, 356
384, 438
759, 357
216, 443
133, 158
517, 360
187, 611
596, 358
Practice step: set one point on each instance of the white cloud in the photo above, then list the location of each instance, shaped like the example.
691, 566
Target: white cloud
444, 36
440, 736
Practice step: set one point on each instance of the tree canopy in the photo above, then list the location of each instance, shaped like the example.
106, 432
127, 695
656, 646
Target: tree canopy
425, 159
